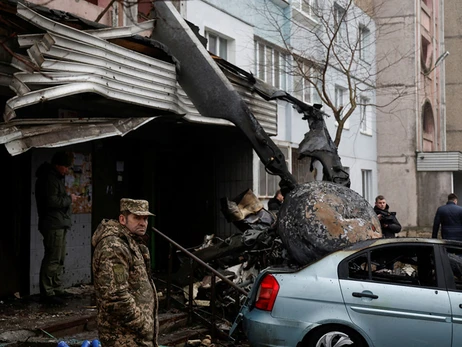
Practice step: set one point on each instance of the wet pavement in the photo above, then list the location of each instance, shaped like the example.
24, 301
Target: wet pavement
26, 322
26, 318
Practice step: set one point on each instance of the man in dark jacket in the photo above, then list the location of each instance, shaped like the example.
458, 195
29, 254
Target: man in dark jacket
388, 221
275, 202
449, 216
54, 210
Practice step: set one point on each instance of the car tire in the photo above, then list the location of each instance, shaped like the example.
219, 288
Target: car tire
334, 336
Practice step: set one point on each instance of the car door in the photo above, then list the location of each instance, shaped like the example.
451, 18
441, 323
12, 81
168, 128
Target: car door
452, 261
392, 293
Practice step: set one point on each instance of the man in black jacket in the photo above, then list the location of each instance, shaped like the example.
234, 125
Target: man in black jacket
449, 216
388, 221
54, 210
275, 202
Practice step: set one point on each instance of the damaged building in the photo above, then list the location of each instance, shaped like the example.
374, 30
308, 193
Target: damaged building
110, 97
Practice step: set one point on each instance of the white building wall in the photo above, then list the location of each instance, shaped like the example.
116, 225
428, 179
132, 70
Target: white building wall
241, 20
238, 32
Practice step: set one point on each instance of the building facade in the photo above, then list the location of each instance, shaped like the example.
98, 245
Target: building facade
281, 42
453, 86
171, 155
413, 172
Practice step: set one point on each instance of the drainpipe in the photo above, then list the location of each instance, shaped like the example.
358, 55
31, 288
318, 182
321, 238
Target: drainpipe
443, 80
417, 77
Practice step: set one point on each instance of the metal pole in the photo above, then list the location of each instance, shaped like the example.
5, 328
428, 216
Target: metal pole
212, 303
169, 278
190, 294
201, 262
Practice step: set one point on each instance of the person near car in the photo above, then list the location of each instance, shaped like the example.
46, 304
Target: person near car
276, 201
388, 221
449, 217
125, 293
54, 212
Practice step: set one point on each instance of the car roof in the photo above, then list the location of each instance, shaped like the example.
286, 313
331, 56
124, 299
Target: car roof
399, 240
359, 246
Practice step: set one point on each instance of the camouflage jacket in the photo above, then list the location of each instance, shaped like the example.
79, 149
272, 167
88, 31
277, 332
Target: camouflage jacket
125, 293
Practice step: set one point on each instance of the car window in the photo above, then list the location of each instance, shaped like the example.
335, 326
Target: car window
455, 260
358, 267
407, 265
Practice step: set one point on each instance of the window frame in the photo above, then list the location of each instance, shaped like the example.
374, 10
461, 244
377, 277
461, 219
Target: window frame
271, 181
269, 55
338, 88
339, 24
448, 273
220, 41
364, 43
426, 54
440, 281
307, 91
306, 7
366, 184
365, 116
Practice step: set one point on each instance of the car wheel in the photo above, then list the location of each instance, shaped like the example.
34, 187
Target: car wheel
335, 337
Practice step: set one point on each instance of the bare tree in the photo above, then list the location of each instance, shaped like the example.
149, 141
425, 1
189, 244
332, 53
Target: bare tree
331, 53
329, 50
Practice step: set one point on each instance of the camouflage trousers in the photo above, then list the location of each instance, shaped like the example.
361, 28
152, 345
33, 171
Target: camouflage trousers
54, 242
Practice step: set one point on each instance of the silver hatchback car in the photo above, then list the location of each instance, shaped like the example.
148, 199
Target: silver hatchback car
381, 293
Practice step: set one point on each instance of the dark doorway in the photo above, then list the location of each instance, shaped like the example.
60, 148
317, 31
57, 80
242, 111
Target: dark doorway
15, 234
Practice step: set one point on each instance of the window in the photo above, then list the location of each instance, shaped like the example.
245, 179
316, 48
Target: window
365, 126
428, 127
340, 93
123, 12
308, 7
426, 55
367, 184
364, 43
306, 75
358, 268
339, 96
401, 264
428, 3
270, 65
217, 45
339, 23
455, 261
268, 184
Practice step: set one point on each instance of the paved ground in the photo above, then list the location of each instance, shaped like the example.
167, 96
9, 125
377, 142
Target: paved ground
29, 314
26, 322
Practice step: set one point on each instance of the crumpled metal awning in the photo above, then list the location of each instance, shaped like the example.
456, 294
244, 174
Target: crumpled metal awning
64, 61
138, 79
19, 136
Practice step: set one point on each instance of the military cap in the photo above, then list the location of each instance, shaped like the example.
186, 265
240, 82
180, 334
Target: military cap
138, 207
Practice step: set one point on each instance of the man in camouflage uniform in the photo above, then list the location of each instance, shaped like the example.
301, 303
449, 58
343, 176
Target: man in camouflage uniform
125, 293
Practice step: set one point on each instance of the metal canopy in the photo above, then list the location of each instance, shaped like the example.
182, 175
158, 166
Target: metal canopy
64, 62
